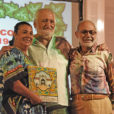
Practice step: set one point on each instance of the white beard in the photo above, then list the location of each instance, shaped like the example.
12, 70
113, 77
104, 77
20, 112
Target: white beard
87, 44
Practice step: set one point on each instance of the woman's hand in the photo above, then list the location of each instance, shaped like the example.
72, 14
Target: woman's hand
5, 49
35, 99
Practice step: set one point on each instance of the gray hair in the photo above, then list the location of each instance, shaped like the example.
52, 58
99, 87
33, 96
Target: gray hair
40, 10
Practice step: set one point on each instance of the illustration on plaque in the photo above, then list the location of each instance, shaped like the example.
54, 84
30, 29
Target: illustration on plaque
43, 82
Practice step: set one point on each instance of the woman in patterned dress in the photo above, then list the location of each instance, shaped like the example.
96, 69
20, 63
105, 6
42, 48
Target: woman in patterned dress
17, 98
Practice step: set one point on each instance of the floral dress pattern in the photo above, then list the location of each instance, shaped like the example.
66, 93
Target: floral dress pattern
13, 65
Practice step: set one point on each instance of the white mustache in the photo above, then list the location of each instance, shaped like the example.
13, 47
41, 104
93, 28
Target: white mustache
87, 39
50, 28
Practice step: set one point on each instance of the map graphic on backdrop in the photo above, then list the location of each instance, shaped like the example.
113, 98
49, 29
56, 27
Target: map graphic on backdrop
13, 11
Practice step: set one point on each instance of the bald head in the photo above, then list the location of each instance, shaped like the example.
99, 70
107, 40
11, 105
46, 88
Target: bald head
86, 33
82, 23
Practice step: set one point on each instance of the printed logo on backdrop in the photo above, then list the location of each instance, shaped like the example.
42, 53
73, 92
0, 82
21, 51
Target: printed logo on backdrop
13, 11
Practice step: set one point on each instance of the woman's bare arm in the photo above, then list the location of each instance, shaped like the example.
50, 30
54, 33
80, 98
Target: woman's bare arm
19, 88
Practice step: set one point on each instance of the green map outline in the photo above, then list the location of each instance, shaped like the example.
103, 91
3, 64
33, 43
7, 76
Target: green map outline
27, 13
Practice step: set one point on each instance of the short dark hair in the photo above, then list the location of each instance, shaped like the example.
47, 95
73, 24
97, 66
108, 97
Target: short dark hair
16, 28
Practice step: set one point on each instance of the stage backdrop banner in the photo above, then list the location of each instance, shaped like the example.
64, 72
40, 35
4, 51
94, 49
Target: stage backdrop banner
13, 11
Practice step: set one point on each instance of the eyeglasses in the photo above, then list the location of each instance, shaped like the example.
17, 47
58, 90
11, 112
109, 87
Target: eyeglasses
92, 32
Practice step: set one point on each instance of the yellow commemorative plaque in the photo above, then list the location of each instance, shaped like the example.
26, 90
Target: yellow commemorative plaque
43, 82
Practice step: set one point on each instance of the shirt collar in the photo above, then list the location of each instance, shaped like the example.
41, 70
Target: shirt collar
91, 50
51, 43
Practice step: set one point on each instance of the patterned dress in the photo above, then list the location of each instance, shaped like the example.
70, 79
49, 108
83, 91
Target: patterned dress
13, 67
